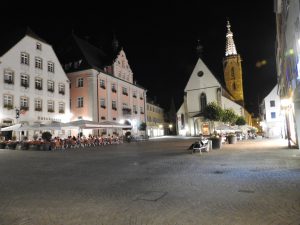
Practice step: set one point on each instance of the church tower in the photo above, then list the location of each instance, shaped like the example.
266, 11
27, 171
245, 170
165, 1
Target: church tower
233, 69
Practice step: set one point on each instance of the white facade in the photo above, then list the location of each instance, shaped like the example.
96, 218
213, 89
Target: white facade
272, 117
32, 81
202, 82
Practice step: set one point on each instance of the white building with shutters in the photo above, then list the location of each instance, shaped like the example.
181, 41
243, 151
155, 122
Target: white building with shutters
31, 81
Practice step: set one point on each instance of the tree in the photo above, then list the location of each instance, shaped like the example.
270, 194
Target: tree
229, 116
240, 121
46, 136
142, 126
213, 112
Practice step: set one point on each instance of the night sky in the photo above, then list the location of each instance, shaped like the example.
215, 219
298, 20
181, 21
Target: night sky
159, 39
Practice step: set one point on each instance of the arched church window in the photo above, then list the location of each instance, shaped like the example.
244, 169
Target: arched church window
203, 102
232, 73
219, 96
182, 121
234, 86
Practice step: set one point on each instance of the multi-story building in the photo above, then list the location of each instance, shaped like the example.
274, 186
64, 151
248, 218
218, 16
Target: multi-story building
102, 86
288, 64
33, 86
155, 119
271, 115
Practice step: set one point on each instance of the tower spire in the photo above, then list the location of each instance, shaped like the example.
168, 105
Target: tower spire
230, 46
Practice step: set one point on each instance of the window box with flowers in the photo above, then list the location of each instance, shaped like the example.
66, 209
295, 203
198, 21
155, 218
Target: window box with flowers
38, 109
114, 108
103, 106
114, 90
62, 92
24, 108
125, 93
126, 111
61, 111
51, 110
102, 86
51, 90
9, 81
141, 98
134, 96
25, 85
8, 106
142, 112
39, 87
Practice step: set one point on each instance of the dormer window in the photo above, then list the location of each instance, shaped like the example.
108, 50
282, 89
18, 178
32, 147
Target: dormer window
38, 46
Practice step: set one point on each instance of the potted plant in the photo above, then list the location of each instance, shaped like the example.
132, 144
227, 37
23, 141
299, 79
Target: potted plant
46, 136
216, 141
232, 139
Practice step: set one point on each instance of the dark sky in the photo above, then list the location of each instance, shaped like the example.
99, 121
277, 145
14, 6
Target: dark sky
160, 38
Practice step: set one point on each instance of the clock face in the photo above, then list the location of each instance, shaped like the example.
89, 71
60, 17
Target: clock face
200, 74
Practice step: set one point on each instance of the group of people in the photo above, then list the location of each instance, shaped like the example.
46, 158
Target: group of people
83, 141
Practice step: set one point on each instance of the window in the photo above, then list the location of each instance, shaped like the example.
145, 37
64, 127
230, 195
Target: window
50, 86
38, 46
135, 109
24, 58
38, 105
113, 88
50, 106
102, 84
61, 89
134, 94
232, 73
141, 96
272, 103
141, 110
124, 91
80, 102
24, 80
61, 107
8, 101
24, 103
51, 67
8, 76
234, 86
38, 63
114, 105
80, 82
273, 115
203, 102
102, 103
38, 83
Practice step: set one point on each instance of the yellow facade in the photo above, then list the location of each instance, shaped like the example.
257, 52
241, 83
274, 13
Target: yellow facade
155, 120
233, 77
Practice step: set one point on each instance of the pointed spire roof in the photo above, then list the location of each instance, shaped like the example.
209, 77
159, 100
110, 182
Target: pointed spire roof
230, 46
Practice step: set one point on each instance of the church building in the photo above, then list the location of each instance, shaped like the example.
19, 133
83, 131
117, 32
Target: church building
204, 87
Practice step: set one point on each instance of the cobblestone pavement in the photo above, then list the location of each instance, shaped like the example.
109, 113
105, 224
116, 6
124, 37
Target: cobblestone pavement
157, 182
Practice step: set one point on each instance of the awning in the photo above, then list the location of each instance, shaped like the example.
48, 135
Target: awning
11, 128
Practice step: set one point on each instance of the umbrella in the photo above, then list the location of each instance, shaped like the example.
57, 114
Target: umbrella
224, 127
11, 128
113, 124
83, 124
